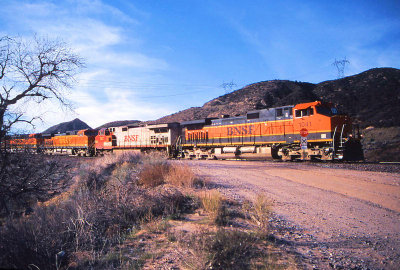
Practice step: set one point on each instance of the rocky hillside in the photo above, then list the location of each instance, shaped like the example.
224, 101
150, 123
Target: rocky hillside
118, 123
255, 96
371, 98
75, 124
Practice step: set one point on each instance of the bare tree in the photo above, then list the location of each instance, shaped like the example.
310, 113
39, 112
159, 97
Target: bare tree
32, 71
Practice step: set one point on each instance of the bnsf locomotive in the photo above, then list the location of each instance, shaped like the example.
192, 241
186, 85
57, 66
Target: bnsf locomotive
305, 131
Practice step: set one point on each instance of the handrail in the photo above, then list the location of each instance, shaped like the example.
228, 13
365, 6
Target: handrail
333, 143
341, 136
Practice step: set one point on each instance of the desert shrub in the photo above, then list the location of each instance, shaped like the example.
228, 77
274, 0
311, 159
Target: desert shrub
84, 227
27, 178
153, 174
156, 225
154, 158
101, 209
119, 158
259, 211
181, 175
109, 170
223, 249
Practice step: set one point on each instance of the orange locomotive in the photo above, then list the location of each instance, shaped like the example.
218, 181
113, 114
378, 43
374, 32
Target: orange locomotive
81, 143
274, 133
30, 143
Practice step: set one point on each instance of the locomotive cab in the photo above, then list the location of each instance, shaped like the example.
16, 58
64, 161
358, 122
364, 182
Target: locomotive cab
105, 140
323, 126
321, 120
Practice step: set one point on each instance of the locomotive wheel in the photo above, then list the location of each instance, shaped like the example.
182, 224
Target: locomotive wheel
284, 154
326, 155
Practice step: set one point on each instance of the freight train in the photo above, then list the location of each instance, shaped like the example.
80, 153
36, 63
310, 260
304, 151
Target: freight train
306, 131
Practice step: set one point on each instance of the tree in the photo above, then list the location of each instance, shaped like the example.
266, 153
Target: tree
32, 71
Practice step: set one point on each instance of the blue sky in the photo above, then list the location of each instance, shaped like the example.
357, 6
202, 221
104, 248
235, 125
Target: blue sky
146, 59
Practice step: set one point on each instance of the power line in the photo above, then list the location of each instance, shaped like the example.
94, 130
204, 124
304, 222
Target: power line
228, 86
340, 66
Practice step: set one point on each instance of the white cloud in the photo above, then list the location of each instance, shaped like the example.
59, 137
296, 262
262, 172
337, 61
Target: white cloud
102, 35
120, 105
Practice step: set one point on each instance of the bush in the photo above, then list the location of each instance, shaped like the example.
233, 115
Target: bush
224, 249
152, 175
102, 208
27, 178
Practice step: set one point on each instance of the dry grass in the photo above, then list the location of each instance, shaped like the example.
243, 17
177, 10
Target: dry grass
213, 203
259, 211
223, 249
157, 225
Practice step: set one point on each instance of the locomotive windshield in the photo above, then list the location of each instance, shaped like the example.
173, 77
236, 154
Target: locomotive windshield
304, 112
325, 110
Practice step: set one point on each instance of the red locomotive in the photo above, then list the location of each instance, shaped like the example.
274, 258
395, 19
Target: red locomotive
305, 131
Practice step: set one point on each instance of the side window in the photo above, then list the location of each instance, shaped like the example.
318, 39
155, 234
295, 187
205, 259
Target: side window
310, 111
286, 112
279, 112
298, 113
125, 129
253, 115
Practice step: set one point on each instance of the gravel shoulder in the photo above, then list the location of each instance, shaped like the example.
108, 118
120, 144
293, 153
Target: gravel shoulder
331, 218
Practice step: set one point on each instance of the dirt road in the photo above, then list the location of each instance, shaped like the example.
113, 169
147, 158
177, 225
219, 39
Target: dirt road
331, 218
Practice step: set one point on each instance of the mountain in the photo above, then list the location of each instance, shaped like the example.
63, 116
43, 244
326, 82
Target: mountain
75, 124
370, 98
119, 123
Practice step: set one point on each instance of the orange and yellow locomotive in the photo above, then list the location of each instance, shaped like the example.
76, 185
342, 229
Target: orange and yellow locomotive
307, 131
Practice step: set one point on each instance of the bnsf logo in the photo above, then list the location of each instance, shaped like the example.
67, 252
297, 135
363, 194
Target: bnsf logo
241, 130
131, 138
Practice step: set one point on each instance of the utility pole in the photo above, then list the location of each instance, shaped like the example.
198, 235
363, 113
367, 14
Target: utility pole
228, 86
340, 66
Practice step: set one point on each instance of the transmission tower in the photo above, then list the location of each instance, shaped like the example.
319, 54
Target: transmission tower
228, 86
340, 66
